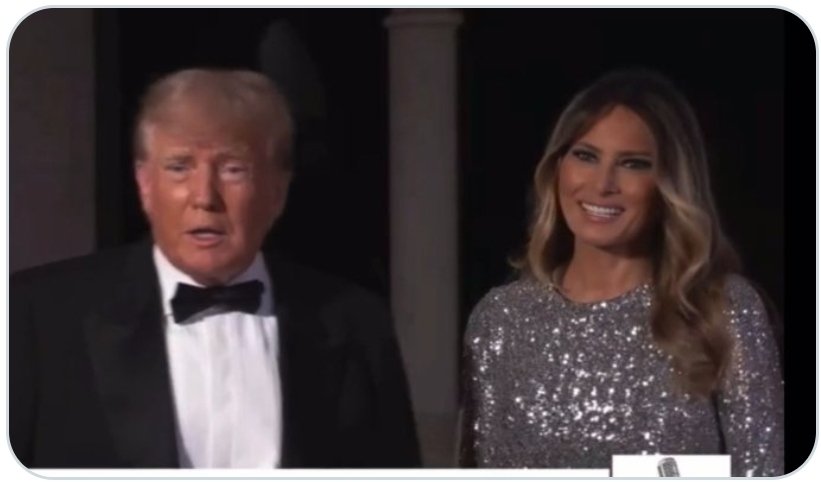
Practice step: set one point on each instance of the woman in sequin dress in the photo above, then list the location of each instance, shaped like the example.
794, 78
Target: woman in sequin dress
628, 331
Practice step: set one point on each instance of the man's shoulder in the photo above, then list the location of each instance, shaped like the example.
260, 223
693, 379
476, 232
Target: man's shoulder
329, 295
299, 276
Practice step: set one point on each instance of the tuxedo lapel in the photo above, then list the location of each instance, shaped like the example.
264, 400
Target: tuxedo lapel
127, 349
311, 362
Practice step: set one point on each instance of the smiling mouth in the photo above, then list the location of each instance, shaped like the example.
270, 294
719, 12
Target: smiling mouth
605, 213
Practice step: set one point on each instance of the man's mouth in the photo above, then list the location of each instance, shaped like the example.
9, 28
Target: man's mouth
206, 235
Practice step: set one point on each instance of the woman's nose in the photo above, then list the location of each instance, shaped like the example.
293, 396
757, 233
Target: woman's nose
607, 179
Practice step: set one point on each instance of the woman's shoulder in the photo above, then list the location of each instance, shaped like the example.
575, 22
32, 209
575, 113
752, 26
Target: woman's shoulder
752, 315
742, 296
514, 294
506, 302
755, 326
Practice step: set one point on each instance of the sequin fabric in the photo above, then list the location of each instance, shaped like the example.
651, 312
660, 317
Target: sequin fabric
550, 382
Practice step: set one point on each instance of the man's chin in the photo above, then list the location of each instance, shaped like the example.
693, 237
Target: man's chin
210, 278
212, 272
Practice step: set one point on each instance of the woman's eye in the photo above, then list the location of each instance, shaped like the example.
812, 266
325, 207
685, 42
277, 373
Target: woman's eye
638, 164
583, 155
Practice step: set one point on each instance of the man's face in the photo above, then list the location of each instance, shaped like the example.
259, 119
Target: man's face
211, 192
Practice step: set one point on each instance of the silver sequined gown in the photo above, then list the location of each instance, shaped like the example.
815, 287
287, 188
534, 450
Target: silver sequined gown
555, 383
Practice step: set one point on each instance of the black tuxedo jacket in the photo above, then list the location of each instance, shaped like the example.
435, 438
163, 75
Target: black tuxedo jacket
89, 383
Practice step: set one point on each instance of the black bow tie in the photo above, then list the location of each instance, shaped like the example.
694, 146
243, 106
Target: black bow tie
190, 300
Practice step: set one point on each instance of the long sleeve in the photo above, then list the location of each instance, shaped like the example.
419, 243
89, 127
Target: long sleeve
394, 443
22, 373
751, 402
482, 344
467, 410
395, 416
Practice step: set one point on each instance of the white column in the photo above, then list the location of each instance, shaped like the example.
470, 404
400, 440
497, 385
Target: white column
51, 141
424, 216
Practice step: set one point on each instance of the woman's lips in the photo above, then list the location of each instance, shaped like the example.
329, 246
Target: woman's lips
600, 213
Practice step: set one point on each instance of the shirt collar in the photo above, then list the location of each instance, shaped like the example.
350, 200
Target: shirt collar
169, 276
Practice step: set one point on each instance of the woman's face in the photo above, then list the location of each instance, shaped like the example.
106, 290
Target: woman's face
607, 183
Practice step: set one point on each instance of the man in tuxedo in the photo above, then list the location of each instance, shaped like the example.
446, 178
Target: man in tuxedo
195, 349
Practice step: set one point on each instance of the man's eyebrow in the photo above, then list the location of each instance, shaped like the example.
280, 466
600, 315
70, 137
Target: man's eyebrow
232, 153
178, 156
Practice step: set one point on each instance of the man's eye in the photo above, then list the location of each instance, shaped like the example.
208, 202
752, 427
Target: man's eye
176, 167
234, 171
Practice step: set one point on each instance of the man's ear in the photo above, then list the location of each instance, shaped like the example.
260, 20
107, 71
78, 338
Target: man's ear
144, 184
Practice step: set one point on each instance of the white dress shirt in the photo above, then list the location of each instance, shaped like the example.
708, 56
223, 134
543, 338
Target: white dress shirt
225, 378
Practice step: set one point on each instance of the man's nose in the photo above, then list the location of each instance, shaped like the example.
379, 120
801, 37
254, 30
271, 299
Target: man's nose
205, 190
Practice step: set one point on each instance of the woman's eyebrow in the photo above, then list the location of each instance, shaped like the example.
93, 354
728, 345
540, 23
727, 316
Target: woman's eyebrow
619, 153
586, 146
636, 153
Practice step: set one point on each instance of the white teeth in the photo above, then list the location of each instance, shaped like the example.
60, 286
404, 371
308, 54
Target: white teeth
601, 210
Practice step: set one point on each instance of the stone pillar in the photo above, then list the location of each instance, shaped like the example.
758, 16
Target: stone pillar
424, 216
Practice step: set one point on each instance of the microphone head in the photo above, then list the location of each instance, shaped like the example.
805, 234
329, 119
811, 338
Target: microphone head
668, 467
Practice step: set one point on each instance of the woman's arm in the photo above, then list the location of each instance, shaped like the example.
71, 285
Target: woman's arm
751, 401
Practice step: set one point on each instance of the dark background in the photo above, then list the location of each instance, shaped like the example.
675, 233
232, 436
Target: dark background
518, 68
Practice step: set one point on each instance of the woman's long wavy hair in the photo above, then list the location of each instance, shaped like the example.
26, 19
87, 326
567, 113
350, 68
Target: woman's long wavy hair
691, 255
